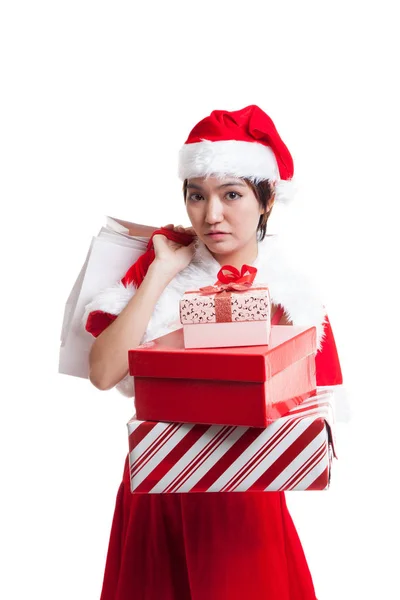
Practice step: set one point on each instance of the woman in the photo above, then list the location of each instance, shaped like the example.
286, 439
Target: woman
209, 546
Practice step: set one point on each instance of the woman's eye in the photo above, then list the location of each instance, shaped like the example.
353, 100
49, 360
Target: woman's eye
195, 197
233, 195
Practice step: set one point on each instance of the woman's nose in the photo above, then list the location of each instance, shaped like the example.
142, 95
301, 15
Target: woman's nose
214, 210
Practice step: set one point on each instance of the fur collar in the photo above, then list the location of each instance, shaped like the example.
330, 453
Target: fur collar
289, 283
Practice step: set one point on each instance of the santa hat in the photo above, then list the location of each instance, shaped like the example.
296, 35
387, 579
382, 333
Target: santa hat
243, 143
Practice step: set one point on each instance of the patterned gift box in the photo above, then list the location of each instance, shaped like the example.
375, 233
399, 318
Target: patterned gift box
232, 298
215, 304
227, 335
293, 453
232, 312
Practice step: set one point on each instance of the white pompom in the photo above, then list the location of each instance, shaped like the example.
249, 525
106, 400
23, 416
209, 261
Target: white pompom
285, 191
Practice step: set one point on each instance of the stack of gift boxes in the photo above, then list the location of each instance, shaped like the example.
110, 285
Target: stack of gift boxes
229, 401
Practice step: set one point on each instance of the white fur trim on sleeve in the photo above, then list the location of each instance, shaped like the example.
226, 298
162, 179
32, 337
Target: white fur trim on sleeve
341, 405
126, 386
112, 300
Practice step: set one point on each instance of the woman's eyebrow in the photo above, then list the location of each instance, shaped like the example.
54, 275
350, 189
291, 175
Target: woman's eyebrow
232, 183
228, 184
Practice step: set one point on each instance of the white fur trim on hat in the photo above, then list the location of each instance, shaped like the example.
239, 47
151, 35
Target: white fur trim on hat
239, 159
231, 157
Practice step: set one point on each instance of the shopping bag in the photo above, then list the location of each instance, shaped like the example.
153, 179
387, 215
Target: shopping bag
117, 246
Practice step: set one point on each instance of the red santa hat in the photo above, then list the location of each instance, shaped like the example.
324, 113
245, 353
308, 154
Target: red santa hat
243, 143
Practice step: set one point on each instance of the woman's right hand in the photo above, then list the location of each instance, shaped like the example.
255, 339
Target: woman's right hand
170, 256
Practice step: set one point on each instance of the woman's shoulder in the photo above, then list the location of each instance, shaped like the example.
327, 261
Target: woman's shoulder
286, 262
292, 281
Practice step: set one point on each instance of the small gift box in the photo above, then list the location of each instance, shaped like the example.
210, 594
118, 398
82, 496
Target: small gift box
251, 385
232, 312
294, 453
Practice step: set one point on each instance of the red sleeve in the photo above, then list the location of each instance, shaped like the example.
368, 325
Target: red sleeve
98, 321
327, 360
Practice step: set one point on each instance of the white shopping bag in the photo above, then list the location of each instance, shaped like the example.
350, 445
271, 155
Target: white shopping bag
117, 246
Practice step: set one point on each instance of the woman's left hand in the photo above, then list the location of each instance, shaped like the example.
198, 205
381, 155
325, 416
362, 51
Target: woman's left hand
180, 228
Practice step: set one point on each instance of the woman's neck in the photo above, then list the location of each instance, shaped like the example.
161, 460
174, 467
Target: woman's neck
243, 256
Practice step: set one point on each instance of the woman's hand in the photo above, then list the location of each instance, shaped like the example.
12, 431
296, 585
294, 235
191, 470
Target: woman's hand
180, 228
170, 256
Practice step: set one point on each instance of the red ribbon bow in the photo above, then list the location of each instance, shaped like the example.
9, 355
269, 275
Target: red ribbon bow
231, 280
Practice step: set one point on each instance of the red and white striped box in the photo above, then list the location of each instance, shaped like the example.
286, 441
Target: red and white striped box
293, 453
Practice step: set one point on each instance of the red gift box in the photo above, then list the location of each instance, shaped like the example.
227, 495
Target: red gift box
250, 385
293, 453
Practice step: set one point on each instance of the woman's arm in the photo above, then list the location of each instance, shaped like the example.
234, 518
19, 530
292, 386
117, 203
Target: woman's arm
108, 359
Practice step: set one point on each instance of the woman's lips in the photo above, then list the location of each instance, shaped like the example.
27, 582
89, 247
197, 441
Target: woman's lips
216, 235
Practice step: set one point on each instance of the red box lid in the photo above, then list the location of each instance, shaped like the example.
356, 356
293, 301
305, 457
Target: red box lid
167, 357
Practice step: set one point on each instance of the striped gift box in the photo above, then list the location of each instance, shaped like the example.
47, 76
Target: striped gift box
293, 453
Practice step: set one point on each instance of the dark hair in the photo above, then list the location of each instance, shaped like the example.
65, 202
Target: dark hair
263, 192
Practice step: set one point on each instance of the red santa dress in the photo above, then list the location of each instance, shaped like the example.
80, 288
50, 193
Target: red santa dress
211, 546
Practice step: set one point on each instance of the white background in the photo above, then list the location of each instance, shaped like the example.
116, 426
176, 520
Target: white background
96, 99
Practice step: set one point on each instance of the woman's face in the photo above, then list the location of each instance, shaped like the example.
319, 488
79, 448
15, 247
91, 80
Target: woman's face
224, 212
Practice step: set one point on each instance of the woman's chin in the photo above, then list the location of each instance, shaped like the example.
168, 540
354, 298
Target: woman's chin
220, 245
